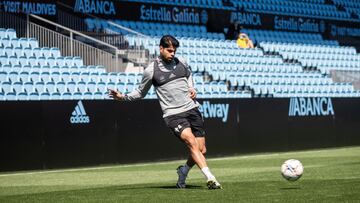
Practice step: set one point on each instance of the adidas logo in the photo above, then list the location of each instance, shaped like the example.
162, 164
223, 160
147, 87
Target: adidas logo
79, 114
178, 128
172, 75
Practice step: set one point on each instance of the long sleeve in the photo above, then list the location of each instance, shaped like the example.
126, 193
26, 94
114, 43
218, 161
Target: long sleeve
190, 81
146, 82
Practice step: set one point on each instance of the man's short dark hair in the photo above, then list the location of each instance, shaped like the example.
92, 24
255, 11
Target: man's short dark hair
167, 41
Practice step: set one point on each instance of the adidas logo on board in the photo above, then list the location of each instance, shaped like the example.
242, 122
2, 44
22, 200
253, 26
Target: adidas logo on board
79, 114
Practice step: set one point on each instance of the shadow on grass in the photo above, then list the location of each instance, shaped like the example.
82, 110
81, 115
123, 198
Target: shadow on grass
291, 188
174, 187
188, 187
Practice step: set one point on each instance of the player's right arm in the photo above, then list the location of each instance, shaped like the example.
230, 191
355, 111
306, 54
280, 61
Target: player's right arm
140, 92
116, 95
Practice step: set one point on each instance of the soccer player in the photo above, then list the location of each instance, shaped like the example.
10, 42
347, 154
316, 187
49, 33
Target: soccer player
171, 77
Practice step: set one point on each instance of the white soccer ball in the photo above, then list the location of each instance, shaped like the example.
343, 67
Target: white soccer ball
292, 169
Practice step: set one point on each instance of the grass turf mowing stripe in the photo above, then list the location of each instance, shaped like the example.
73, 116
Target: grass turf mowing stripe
331, 175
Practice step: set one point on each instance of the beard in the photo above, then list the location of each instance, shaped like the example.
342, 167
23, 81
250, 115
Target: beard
167, 59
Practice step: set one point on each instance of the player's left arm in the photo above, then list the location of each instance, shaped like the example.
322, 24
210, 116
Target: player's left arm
192, 91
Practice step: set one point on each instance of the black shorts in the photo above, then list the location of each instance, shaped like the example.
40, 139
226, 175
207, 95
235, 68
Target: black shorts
188, 119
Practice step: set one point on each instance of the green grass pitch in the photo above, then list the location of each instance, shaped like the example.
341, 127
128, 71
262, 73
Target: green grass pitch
331, 175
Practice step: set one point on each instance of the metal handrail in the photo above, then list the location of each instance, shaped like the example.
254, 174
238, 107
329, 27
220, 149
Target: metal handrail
127, 29
112, 64
74, 31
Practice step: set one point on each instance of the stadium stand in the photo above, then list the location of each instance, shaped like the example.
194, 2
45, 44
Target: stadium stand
283, 63
264, 74
288, 37
351, 6
215, 4
221, 69
317, 9
154, 29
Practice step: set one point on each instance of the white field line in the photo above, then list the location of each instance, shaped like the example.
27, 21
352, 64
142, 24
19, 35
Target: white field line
77, 169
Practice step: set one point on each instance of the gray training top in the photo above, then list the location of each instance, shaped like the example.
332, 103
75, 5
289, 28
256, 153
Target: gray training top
172, 83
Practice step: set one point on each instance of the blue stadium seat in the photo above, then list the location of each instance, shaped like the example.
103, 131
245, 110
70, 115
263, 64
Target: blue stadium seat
82, 87
55, 52
91, 86
10, 33
77, 61
87, 95
17, 86
13, 60
23, 61
98, 95
6, 51
66, 96
18, 52
71, 86
22, 96
10, 96
28, 86
33, 43
36, 52
65, 76
40, 86
15, 42
94, 76
34, 96
113, 77
103, 77
77, 95
122, 77
55, 76
101, 86
61, 87
6, 42
33, 61
68, 61
13, 76
55, 96
3, 76
50, 86
24, 43
35, 76
207, 95
51, 61
129, 87
45, 76
85, 76
75, 76
60, 61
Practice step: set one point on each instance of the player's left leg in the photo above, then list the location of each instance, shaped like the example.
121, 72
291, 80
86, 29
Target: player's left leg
201, 141
197, 127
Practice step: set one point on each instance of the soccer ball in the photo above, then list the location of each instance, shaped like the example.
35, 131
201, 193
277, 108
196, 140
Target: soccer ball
292, 169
